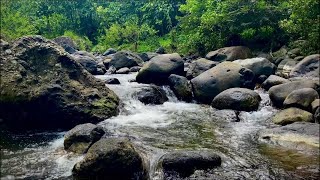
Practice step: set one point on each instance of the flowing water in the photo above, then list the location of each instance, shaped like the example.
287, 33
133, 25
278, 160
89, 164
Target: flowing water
158, 129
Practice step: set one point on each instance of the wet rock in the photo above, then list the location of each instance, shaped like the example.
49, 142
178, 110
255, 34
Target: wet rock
280, 92
315, 104
161, 50
239, 99
152, 95
259, 66
124, 70
291, 115
301, 98
111, 158
181, 87
112, 81
100, 71
308, 67
135, 69
81, 137
54, 92
285, 67
199, 66
229, 54
111, 70
293, 135
67, 43
87, 62
159, 68
125, 59
272, 81
109, 51
185, 163
147, 56
226, 75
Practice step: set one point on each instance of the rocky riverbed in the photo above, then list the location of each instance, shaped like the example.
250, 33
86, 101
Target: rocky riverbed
214, 118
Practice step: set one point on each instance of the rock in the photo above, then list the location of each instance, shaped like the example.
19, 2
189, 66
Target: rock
315, 104
152, 95
111, 70
280, 92
54, 91
81, 137
125, 59
282, 52
181, 87
293, 135
67, 43
147, 56
87, 62
226, 75
301, 98
272, 81
124, 70
161, 50
135, 69
185, 163
285, 67
109, 51
291, 115
106, 63
112, 81
4, 45
84, 53
100, 71
159, 68
293, 53
316, 115
239, 99
259, 66
229, 54
299, 58
111, 158
308, 67
199, 66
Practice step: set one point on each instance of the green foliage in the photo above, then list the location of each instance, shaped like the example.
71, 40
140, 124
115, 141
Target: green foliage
82, 42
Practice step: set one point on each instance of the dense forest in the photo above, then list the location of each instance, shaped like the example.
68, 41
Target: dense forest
184, 26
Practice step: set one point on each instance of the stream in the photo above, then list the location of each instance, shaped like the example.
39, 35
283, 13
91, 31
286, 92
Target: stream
156, 130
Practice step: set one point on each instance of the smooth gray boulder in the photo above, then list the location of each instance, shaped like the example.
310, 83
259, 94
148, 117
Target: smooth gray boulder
87, 62
280, 92
181, 87
151, 95
260, 66
225, 75
239, 99
111, 158
199, 66
229, 54
308, 67
272, 81
124, 70
109, 51
159, 68
301, 98
81, 137
127, 59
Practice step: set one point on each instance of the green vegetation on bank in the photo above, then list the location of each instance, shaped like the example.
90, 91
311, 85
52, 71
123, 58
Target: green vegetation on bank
185, 26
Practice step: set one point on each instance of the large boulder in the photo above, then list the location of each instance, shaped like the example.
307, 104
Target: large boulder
308, 67
181, 87
159, 68
272, 81
43, 87
301, 98
294, 136
88, 63
125, 59
260, 66
111, 159
67, 43
291, 115
81, 137
239, 99
184, 163
124, 70
226, 75
199, 66
280, 92
147, 56
285, 67
151, 95
229, 54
